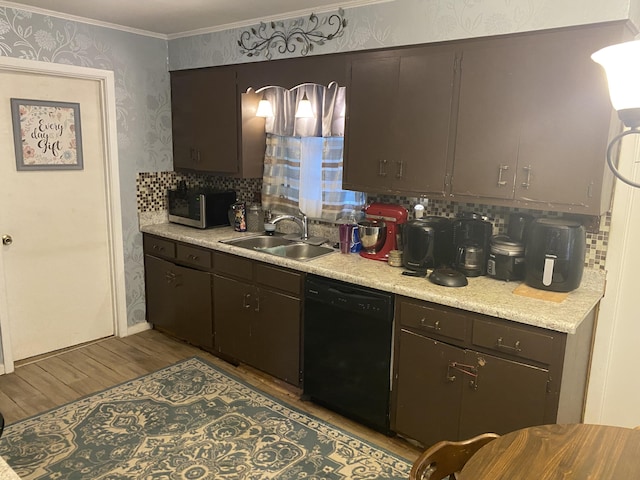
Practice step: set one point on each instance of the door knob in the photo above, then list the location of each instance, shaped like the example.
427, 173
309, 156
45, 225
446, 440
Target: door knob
7, 240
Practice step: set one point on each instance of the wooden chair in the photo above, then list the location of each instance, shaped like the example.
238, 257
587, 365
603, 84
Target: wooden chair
447, 458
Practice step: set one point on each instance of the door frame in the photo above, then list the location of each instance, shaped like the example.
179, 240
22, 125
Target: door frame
112, 179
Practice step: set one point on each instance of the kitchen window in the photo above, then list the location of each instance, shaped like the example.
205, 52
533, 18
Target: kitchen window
303, 157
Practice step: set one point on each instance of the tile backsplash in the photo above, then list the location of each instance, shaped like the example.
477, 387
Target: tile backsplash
151, 188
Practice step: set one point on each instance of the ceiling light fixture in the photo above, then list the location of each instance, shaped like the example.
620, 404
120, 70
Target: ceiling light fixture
621, 63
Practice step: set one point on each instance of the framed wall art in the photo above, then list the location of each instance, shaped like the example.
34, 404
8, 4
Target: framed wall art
47, 135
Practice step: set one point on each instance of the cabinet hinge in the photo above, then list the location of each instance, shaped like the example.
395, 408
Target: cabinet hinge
549, 384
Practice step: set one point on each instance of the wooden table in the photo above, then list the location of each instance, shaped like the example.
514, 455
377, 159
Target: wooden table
559, 452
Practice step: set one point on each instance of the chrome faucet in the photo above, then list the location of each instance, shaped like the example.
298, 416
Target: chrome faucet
302, 221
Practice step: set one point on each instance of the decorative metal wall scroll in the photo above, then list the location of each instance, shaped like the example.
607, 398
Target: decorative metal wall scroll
304, 33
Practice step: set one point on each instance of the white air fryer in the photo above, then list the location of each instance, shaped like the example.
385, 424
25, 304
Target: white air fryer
554, 254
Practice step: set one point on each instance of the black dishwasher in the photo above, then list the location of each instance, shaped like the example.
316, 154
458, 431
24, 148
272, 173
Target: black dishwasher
347, 350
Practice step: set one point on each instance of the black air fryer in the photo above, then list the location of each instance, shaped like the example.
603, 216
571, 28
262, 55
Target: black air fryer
427, 243
554, 254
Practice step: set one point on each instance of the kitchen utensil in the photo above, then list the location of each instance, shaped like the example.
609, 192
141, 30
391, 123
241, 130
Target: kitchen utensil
471, 230
377, 244
554, 254
373, 235
506, 259
471, 260
448, 277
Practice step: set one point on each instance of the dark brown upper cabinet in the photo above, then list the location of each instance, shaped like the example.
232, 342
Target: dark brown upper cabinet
215, 129
399, 105
534, 121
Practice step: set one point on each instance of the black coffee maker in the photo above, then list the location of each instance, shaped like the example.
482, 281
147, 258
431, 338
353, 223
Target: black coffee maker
427, 243
471, 235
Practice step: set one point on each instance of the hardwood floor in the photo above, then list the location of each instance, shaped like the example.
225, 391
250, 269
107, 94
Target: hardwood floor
43, 383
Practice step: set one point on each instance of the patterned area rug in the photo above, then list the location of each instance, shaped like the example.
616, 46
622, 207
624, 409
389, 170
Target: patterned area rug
189, 421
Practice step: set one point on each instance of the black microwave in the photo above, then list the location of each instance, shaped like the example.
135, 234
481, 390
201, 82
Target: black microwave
200, 208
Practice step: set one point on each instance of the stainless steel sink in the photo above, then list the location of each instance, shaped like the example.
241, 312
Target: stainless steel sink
281, 247
301, 251
258, 242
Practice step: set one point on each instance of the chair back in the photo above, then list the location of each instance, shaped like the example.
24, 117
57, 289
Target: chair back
1, 424
447, 458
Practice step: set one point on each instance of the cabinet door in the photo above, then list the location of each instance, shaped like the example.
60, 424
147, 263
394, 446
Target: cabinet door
505, 396
398, 121
183, 111
488, 127
205, 107
275, 335
565, 130
233, 309
371, 99
159, 289
422, 121
193, 307
428, 400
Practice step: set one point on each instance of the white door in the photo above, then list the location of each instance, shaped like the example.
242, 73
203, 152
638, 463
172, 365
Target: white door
57, 269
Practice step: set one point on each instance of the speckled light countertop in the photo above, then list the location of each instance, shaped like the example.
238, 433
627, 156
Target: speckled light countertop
483, 294
6, 472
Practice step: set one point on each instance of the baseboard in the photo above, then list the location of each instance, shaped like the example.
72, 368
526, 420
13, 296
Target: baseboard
137, 328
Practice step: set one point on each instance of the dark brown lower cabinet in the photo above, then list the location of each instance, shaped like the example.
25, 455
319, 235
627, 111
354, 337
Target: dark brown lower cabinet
459, 374
179, 301
178, 290
258, 315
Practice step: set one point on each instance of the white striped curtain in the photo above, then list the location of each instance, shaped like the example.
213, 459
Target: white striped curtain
305, 174
303, 157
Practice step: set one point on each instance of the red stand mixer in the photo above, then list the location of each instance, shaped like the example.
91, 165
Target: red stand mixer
380, 229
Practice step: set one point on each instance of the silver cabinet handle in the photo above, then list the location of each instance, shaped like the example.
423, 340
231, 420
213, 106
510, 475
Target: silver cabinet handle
400, 170
7, 240
527, 182
383, 168
435, 326
515, 348
246, 300
501, 169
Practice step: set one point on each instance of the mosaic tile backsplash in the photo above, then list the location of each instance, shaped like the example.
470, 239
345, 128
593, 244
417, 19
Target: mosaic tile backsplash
152, 187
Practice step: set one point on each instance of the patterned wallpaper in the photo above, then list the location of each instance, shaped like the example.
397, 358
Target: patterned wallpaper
406, 22
142, 82
143, 106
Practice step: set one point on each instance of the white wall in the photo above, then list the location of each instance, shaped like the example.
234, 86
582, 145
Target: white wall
614, 392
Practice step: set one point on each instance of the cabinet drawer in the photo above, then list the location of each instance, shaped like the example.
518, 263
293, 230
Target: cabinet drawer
279, 278
234, 266
194, 256
159, 246
437, 321
513, 340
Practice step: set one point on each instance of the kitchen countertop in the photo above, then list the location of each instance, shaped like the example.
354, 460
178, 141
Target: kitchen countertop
483, 294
